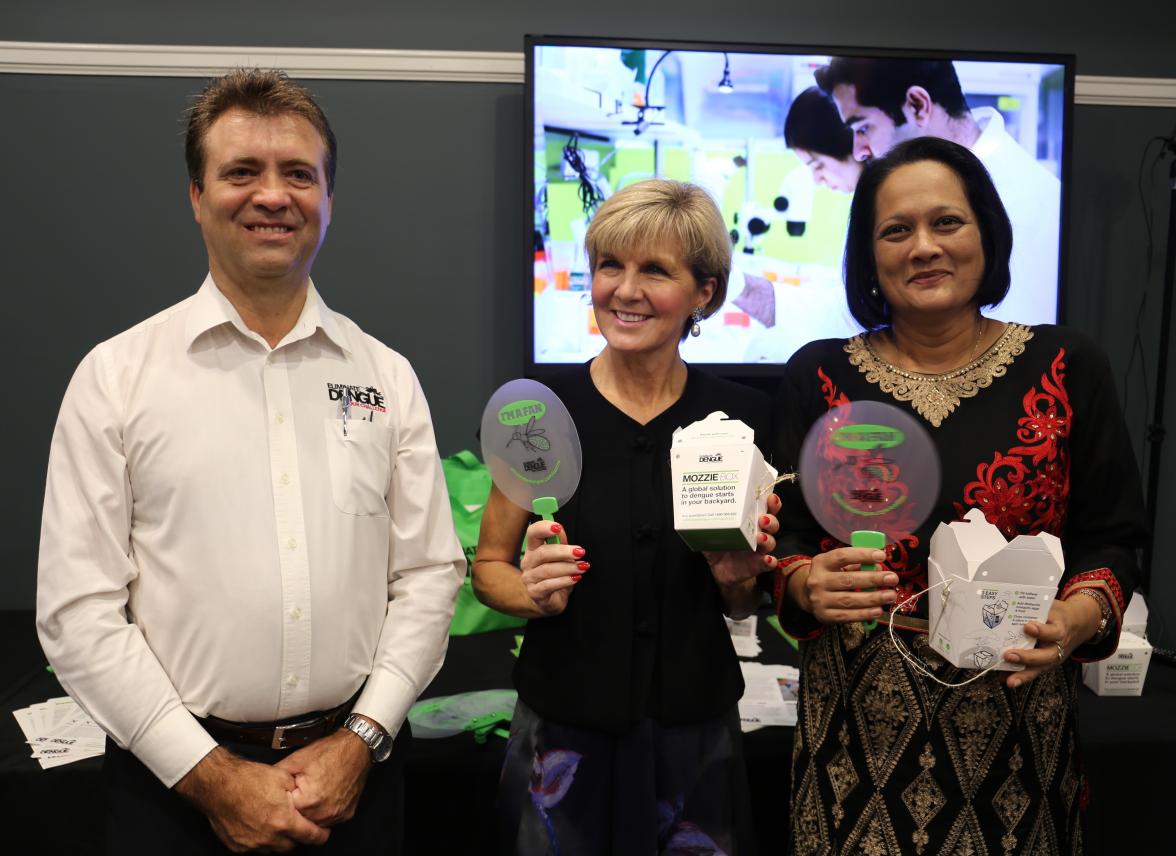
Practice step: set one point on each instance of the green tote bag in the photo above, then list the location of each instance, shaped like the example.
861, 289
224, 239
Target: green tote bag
469, 482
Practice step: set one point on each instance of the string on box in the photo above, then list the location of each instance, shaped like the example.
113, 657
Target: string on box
910, 658
784, 477
898, 645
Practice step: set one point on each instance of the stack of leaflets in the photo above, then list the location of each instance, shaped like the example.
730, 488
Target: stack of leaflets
769, 695
60, 732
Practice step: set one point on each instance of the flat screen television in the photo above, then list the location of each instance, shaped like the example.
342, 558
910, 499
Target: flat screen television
777, 135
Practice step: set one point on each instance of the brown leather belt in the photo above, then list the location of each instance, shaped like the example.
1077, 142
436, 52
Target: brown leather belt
285, 733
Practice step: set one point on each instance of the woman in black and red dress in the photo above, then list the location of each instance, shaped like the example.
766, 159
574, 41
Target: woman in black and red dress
1028, 431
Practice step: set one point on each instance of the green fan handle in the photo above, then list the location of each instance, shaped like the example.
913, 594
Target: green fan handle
545, 507
875, 540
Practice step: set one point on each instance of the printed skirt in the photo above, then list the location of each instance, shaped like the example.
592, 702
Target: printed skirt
656, 789
887, 761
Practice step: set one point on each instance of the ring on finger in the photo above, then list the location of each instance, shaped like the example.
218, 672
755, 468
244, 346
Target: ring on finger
1061, 651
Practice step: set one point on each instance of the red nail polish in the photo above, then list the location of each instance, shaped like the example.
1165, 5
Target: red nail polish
556, 528
763, 538
583, 566
765, 520
578, 552
575, 578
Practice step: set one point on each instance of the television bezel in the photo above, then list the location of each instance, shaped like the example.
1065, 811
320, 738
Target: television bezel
531, 41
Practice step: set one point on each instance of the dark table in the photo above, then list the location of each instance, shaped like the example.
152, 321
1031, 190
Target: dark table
1127, 743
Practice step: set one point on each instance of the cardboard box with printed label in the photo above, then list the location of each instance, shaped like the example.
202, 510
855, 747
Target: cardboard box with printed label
721, 484
1135, 618
985, 589
1122, 673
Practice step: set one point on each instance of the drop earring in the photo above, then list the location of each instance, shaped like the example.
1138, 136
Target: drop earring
873, 291
696, 317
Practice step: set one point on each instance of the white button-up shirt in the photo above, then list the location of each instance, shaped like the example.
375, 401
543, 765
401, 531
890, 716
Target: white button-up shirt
1032, 197
241, 531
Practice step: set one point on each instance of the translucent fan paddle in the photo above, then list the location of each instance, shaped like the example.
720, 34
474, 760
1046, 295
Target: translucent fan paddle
869, 473
531, 447
483, 712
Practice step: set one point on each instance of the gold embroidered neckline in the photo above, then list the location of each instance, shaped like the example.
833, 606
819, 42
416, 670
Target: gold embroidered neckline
936, 396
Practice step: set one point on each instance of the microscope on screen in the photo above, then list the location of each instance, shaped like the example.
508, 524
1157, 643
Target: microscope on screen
794, 201
751, 222
792, 205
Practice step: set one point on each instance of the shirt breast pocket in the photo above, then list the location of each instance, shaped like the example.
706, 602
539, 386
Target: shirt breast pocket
360, 466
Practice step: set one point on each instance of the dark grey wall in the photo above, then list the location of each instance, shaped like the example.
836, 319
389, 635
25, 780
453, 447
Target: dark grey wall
98, 233
422, 251
1129, 38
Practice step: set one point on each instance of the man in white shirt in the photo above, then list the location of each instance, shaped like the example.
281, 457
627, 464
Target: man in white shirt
886, 101
248, 565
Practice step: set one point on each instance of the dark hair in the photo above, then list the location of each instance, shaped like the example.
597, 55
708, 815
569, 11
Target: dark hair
996, 232
883, 83
263, 92
814, 125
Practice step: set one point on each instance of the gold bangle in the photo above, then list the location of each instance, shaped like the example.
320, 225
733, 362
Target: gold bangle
1104, 607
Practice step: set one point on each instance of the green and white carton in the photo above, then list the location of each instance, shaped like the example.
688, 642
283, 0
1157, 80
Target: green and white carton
721, 484
1122, 673
989, 589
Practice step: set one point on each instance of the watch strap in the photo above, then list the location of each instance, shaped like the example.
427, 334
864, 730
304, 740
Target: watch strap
378, 741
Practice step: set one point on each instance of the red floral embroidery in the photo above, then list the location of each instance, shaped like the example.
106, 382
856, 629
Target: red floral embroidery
1024, 490
833, 397
1043, 426
1002, 493
910, 579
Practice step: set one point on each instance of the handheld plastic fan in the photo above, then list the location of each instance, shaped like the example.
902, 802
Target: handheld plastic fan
869, 473
481, 712
531, 447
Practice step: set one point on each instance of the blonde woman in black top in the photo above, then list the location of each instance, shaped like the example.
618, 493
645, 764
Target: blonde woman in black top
626, 736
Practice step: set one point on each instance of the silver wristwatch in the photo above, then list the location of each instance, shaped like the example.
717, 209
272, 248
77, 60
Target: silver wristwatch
378, 742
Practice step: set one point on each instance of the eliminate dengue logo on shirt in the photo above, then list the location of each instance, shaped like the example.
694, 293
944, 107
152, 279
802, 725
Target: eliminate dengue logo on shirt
366, 397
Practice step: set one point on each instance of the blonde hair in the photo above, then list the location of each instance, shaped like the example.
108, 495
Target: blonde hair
661, 211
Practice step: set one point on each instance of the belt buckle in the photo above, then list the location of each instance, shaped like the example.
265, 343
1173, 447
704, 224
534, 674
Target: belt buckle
278, 741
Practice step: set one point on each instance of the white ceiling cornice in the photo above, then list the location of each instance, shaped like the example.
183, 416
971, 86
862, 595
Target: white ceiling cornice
411, 65
300, 63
